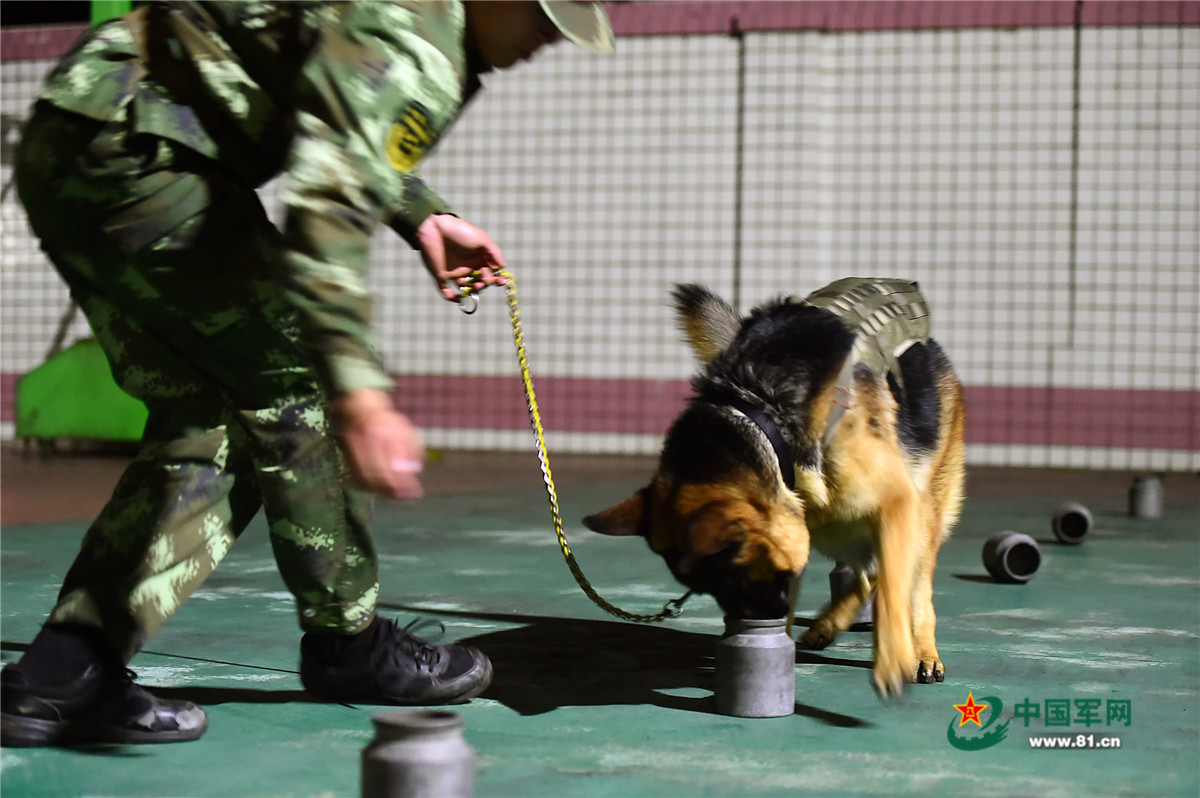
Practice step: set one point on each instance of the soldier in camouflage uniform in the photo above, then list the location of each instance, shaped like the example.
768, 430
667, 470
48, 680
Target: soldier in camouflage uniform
251, 346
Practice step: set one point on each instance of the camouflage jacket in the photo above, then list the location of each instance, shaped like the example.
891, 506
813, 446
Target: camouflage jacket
344, 98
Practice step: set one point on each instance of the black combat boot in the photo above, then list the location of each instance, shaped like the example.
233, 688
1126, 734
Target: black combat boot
71, 688
387, 664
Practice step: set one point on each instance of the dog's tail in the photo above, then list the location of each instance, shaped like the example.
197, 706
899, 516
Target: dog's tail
708, 323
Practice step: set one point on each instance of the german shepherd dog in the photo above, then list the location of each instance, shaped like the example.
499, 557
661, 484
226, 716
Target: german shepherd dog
832, 418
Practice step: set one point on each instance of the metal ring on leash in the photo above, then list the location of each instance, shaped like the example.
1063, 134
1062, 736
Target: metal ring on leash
468, 302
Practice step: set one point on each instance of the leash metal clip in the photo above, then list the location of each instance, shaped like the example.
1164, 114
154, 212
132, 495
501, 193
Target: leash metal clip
674, 607
468, 297
468, 301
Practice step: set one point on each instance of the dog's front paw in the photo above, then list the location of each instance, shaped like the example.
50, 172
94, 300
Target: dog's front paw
818, 636
892, 675
931, 670
888, 685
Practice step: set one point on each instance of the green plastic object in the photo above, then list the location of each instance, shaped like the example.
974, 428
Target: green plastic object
104, 10
73, 395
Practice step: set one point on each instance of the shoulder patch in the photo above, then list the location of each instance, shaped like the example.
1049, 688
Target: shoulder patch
410, 138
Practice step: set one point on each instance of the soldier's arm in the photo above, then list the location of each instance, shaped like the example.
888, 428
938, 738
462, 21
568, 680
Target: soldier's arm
376, 94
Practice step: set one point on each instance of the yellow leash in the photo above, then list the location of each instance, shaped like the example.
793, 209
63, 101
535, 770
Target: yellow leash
673, 607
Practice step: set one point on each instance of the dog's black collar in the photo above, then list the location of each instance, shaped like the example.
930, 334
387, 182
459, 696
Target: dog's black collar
782, 453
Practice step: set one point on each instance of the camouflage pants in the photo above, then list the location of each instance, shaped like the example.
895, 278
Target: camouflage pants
172, 263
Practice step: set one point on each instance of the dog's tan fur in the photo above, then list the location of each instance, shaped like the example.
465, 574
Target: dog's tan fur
870, 495
905, 509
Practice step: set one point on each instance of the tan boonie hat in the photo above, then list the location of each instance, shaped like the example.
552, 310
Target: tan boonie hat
585, 24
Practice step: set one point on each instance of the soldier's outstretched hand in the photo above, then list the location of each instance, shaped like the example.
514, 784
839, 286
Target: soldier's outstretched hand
459, 255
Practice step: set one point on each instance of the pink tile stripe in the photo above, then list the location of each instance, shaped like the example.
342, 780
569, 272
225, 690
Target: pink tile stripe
575, 404
1083, 417
32, 42
678, 17
995, 414
681, 17
8, 392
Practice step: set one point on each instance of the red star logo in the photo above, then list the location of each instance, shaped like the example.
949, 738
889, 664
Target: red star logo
970, 711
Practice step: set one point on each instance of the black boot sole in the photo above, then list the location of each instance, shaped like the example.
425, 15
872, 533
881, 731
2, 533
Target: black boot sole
441, 696
23, 732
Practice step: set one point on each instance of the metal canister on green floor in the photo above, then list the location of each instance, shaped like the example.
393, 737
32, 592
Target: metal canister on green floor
756, 669
418, 754
1146, 497
1072, 522
1012, 557
844, 579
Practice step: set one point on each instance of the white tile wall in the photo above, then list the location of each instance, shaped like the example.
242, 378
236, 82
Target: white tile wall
943, 156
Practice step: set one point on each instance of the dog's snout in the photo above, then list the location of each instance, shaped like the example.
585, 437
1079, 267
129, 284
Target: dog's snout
757, 599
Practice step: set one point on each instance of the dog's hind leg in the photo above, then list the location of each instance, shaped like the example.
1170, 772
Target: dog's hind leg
838, 616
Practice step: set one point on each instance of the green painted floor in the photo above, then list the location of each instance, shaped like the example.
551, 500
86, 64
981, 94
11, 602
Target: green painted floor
584, 705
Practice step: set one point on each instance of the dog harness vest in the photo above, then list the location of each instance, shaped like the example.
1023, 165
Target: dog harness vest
886, 315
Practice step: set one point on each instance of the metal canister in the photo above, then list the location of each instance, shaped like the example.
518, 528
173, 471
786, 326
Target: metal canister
1146, 497
418, 754
842, 580
1012, 557
1072, 522
756, 669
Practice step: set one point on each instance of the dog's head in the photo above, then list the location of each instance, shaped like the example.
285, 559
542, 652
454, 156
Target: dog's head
717, 510
731, 539
719, 514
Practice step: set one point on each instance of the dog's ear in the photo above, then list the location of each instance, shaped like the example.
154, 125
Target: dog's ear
708, 323
626, 518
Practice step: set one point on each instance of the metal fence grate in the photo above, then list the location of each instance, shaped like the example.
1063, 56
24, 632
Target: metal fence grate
1041, 181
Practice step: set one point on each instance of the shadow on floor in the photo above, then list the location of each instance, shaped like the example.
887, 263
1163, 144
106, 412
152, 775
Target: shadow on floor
213, 696
201, 695
548, 663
